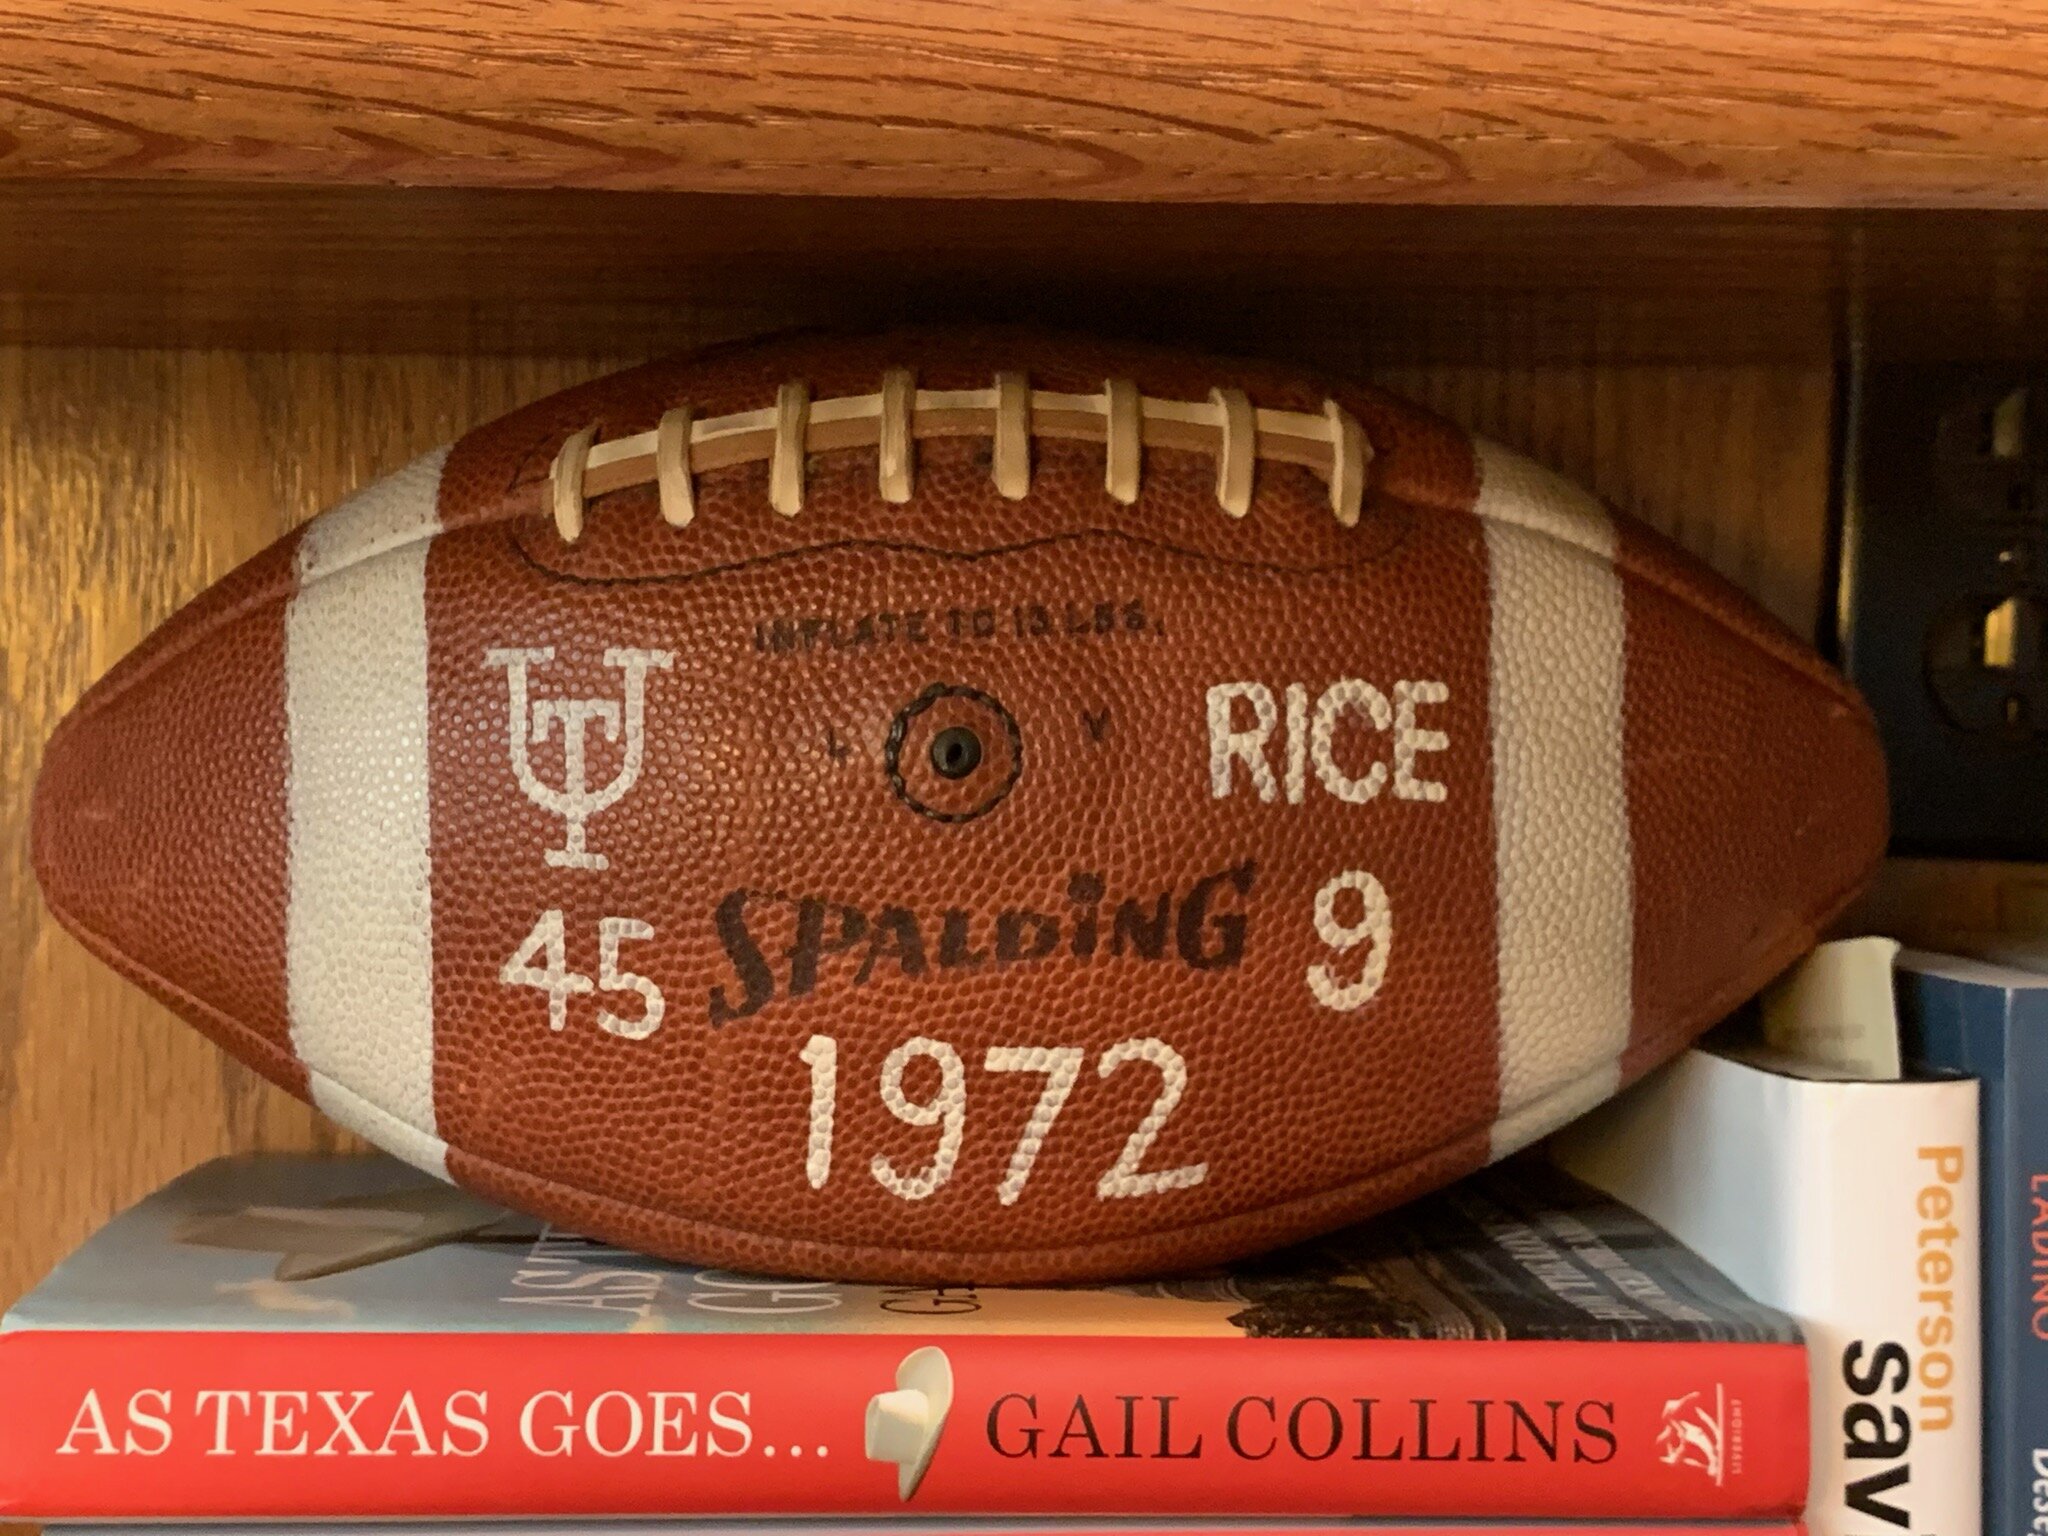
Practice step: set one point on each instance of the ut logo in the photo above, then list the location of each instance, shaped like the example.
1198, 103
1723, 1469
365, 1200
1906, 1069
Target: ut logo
532, 721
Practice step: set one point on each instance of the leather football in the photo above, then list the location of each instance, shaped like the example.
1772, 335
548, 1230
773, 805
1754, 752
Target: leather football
960, 807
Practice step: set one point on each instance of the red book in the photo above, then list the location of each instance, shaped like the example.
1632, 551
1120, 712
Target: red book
298, 1338
929, 1526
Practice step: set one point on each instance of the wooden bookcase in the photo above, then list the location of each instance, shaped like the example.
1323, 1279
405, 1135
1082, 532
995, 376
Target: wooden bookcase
251, 257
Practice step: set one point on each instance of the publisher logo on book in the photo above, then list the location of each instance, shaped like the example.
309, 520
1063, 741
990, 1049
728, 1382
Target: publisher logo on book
1702, 1430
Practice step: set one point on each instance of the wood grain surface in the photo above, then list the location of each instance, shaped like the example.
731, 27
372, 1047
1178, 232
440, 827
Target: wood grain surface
555, 270
130, 479
1888, 102
493, 270
1958, 907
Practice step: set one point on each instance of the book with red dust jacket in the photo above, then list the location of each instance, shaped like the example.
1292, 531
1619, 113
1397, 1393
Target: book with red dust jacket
279, 1337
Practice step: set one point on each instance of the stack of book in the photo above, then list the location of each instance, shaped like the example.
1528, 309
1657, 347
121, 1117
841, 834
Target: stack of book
1795, 1276
294, 1339
1875, 1161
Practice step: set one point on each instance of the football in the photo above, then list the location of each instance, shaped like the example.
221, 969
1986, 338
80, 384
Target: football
960, 806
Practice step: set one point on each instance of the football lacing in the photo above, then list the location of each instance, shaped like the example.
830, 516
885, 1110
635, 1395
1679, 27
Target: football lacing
896, 417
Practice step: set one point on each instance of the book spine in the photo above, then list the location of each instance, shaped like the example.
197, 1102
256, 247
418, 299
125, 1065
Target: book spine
1986, 1031
207, 1425
1893, 1307
2017, 1294
1854, 1207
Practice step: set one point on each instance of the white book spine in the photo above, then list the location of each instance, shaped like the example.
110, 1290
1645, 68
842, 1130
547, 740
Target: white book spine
1853, 1206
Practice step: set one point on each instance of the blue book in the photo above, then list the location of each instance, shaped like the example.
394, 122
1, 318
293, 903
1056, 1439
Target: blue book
1991, 1022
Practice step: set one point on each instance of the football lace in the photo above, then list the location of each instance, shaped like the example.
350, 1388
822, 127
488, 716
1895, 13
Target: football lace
895, 418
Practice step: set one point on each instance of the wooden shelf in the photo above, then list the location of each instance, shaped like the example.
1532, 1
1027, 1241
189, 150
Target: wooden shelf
499, 271
1588, 178
1886, 103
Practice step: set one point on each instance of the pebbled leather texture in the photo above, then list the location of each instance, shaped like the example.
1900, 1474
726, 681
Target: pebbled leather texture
1522, 799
